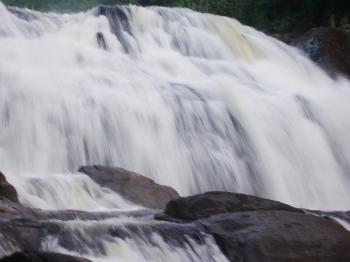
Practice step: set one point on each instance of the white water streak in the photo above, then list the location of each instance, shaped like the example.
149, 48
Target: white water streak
198, 102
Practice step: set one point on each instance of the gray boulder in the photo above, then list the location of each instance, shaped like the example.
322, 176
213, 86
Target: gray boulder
254, 236
7, 190
136, 188
253, 229
214, 203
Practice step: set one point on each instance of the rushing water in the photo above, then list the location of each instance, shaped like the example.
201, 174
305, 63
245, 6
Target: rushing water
195, 101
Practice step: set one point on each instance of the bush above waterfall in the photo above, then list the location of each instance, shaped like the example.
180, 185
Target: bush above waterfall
272, 15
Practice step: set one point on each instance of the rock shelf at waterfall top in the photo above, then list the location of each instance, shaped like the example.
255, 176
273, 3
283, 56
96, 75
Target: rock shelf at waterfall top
244, 228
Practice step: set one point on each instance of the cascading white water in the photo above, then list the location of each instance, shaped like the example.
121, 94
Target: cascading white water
195, 101
141, 247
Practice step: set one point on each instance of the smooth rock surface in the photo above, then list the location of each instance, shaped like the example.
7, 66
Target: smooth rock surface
213, 203
42, 257
134, 187
253, 229
281, 236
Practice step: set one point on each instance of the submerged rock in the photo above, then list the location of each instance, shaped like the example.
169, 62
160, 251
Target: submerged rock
101, 40
119, 21
7, 190
213, 203
328, 47
42, 257
136, 188
23, 14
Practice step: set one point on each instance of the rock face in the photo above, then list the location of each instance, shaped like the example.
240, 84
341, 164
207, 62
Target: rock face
245, 228
254, 236
7, 190
252, 229
117, 17
328, 47
134, 187
42, 257
214, 203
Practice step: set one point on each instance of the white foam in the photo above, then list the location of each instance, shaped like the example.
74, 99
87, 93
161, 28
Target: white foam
166, 108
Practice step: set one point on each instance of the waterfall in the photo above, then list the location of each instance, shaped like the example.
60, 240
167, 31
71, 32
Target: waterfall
194, 101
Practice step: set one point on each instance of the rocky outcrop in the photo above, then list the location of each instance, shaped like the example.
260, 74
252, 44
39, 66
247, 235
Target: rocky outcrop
23, 14
10, 210
27, 228
245, 228
214, 203
119, 22
328, 47
252, 229
7, 190
254, 236
136, 188
42, 257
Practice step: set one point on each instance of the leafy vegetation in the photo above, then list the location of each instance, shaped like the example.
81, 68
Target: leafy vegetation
271, 15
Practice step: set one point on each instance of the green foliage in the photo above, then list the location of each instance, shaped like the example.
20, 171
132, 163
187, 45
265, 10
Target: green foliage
271, 15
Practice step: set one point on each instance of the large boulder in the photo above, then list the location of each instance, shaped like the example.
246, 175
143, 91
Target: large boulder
42, 257
214, 203
258, 236
136, 188
7, 190
328, 47
253, 229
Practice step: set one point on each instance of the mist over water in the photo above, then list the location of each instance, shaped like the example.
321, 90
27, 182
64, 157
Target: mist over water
195, 101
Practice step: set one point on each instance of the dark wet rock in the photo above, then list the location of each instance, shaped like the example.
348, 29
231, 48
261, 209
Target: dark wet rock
253, 229
328, 47
27, 232
24, 228
254, 236
133, 187
7, 190
42, 257
23, 14
118, 18
9, 210
214, 203
246, 228
101, 40
341, 215
21, 234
